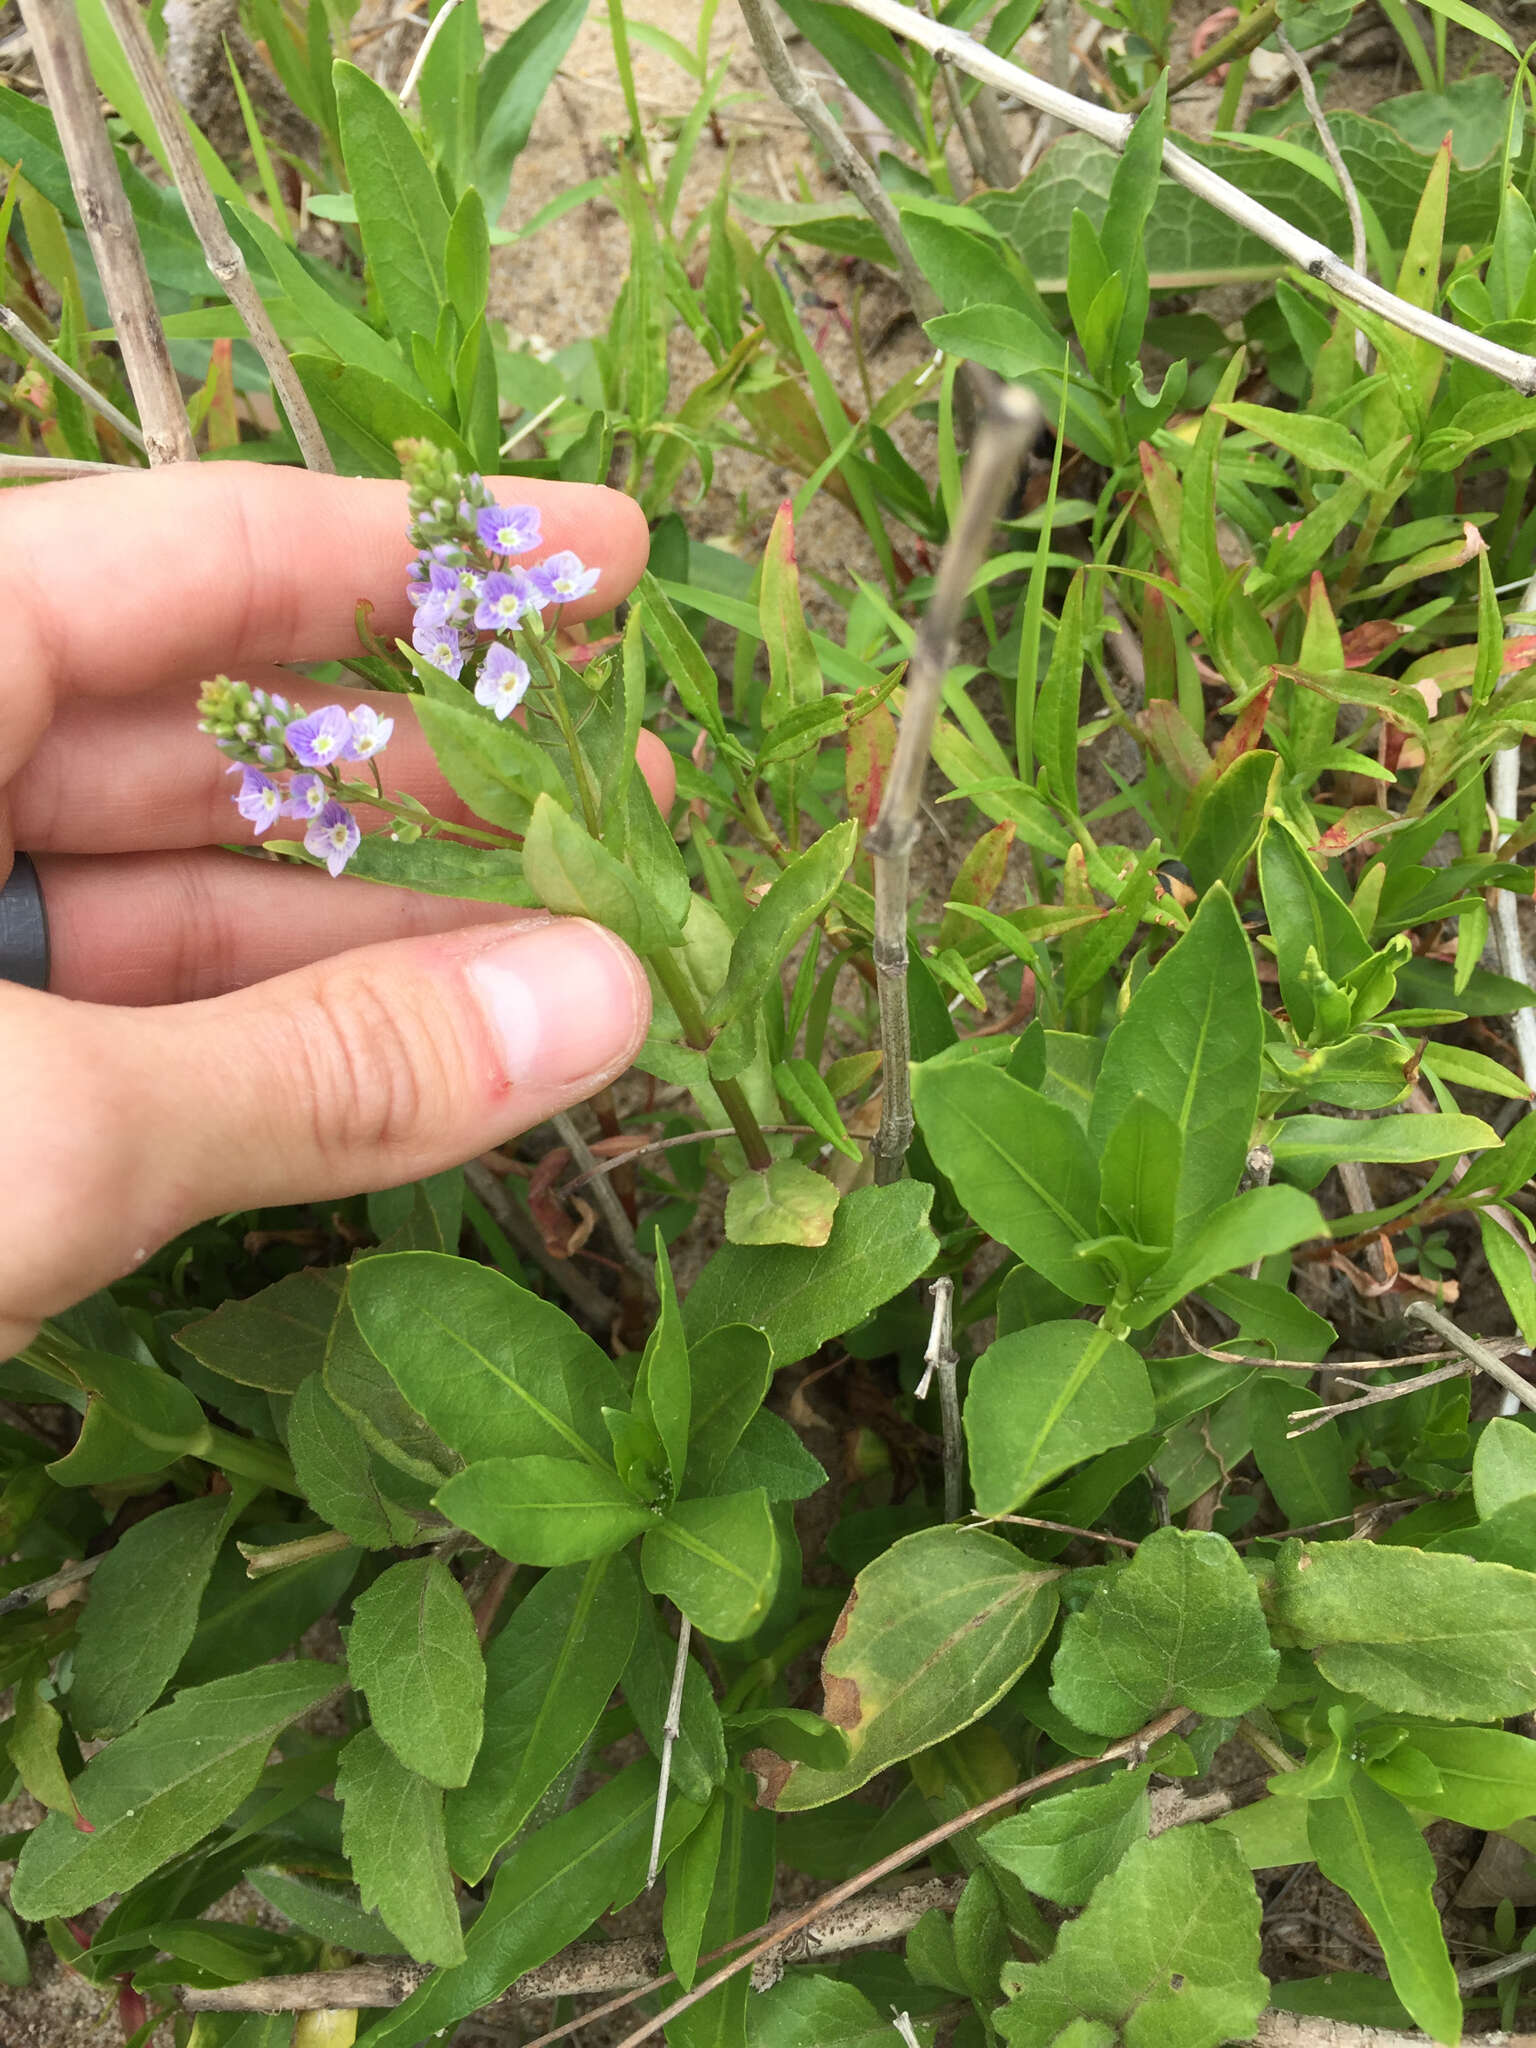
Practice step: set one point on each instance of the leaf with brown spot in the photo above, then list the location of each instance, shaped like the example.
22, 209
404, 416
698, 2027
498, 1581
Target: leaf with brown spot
934, 1633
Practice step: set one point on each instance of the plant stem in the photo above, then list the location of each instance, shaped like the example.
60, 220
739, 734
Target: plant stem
39, 1589
803, 100
678, 990
671, 1728
1299, 248
220, 251
1238, 42
59, 48
623, 63
264, 1463
261, 1558
1485, 1360
1010, 423
940, 1362
83, 388
620, 1229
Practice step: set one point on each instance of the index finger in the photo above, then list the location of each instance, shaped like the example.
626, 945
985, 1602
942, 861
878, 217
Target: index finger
125, 582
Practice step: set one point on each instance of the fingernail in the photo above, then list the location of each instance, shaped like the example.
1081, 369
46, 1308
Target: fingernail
566, 1003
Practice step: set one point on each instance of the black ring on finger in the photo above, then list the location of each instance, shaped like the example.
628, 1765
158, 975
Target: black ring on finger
23, 927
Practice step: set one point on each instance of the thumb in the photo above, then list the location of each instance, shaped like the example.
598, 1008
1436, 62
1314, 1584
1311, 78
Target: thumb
358, 1072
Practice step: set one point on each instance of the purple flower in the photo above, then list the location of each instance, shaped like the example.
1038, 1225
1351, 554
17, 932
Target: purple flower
564, 577
503, 681
505, 596
444, 598
443, 646
370, 733
333, 837
322, 738
260, 801
509, 529
307, 796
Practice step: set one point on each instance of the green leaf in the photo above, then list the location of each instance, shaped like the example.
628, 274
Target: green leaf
467, 259
361, 1388
342, 1480
1042, 1400
691, 1874
1368, 1845
549, 1675
1140, 1173
412, 1649
1487, 1778
137, 1419
740, 1900
326, 1912
1166, 1951
1252, 1226
795, 899
1060, 1848
1056, 710
400, 210
698, 1755
160, 1788
370, 413
498, 770
799, 1298
15, 1970
771, 1455
683, 660
793, 1732
1303, 1143
935, 1631
803, 2007
663, 1388
495, 1370
274, 1339
548, 1891
243, 1620
785, 1203
1503, 1465
1308, 1475
542, 1510
33, 1740
1415, 1631
1191, 1040
730, 1370
1305, 915
1316, 442
717, 1560
571, 872
1180, 1625
512, 84
1019, 1162
392, 1831
142, 1613
794, 674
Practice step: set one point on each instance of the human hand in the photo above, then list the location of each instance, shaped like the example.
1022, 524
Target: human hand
221, 1032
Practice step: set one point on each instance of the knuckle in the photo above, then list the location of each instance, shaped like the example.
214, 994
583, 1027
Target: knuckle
373, 1066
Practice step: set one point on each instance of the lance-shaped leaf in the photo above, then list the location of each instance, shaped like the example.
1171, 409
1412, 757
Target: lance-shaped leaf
549, 1675
161, 1787
495, 1370
1250, 1227
547, 1511
400, 211
392, 1831
412, 1649
573, 873
498, 770
142, 1612
1369, 1845
1180, 1625
1043, 1399
717, 1560
274, 1339
1192, 1041
800, 1297
1019, 1162
1166, 1951
1418, 1632
32, 1741
794, 674
1060, 1848
343, 1481
933, 1634
795, 899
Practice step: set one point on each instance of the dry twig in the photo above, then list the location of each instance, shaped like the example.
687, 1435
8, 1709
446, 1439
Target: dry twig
41, 469
803, 100
620, 1229
671, 1729
72, 100
223, 257
634, 1152
586, 1299
1008, 426
1315, 1418
940, 1360
1308, 254
1485, 1359
82, 387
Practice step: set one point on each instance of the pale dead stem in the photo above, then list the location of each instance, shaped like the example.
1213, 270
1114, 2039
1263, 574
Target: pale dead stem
82, 387
1300, 248
59, 49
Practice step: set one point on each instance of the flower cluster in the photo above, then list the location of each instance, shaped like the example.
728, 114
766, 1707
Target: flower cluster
266, 736
466, 580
